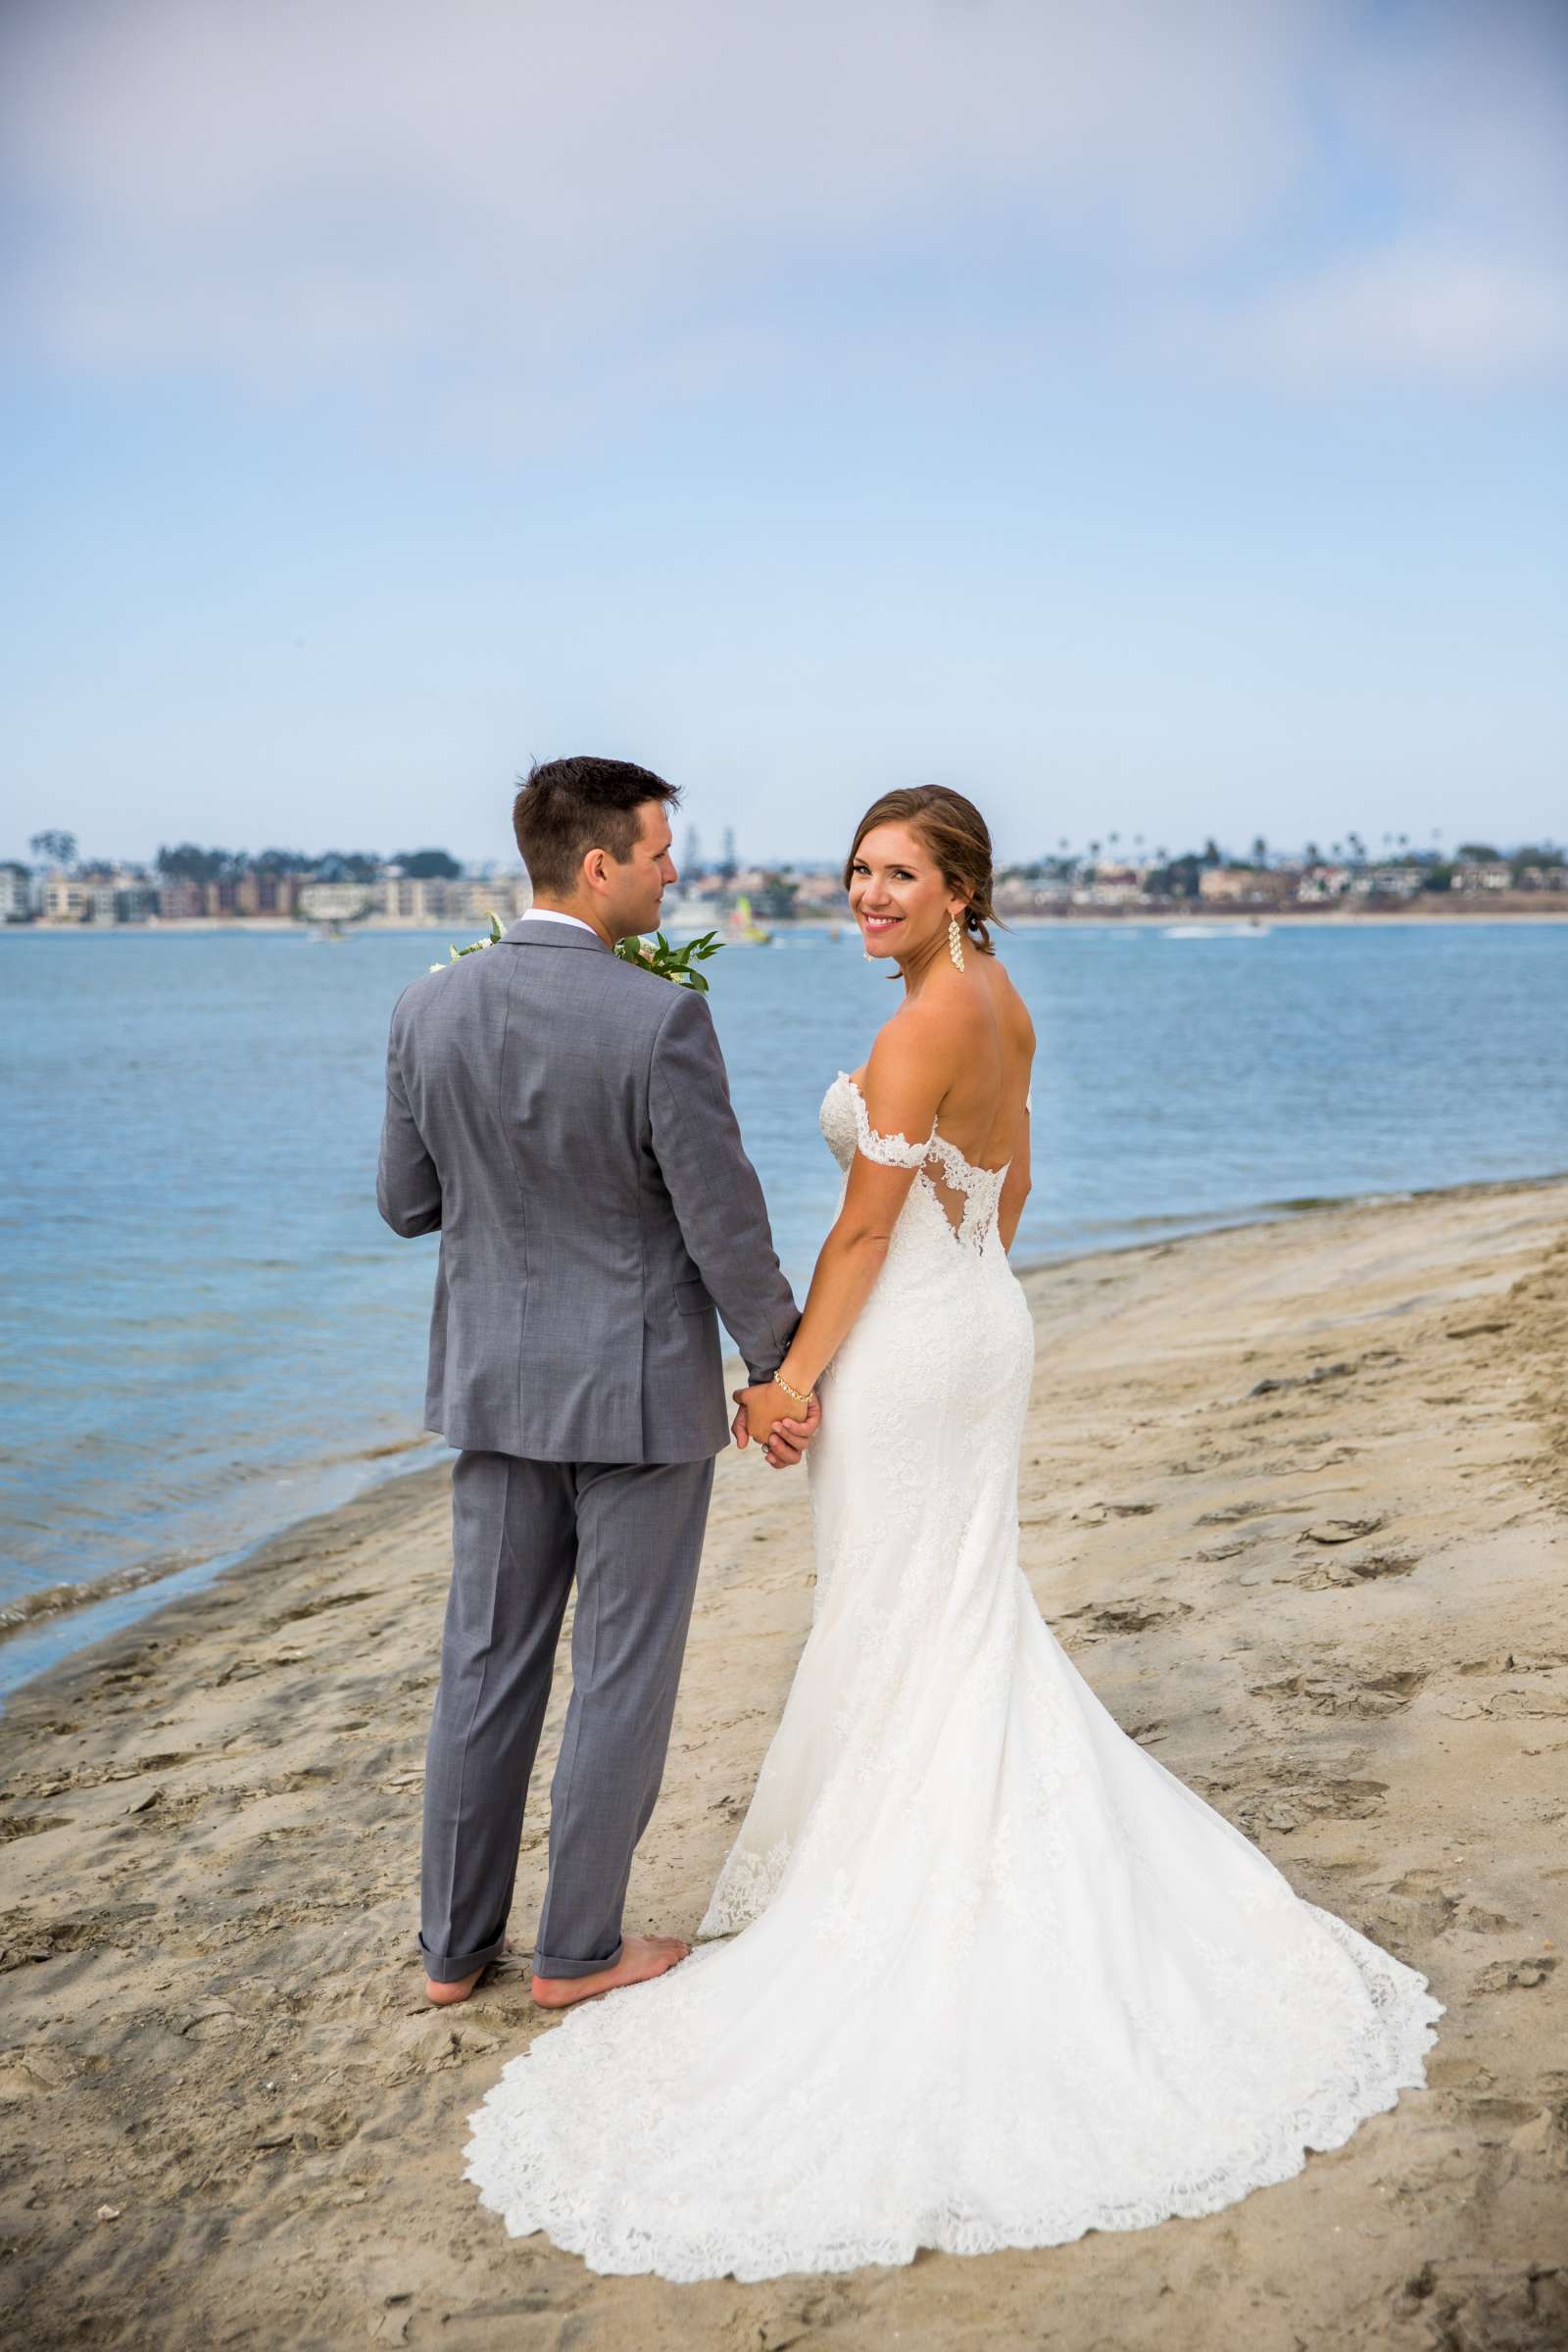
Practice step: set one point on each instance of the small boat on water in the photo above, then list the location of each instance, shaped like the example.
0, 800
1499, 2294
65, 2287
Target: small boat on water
741, 928
1250, 929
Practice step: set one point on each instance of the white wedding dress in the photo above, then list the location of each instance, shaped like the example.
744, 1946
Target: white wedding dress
996, 1976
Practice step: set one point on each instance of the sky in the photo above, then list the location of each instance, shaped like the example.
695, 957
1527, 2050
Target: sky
1145, 418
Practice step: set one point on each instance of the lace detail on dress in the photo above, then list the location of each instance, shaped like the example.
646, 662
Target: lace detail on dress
966, 1196
994, 1976
889, 1151
747, 1884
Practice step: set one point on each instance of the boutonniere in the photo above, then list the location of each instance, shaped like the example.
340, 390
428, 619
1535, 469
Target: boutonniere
677, 966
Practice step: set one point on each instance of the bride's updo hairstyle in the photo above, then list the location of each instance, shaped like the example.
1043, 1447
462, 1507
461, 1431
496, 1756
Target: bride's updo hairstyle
957, 837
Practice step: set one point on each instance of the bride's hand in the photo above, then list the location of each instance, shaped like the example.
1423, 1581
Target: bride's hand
761, 1405
789, 1437
775, 1421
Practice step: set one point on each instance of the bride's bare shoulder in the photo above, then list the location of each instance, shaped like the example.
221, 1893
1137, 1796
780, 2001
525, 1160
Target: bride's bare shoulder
935, 1030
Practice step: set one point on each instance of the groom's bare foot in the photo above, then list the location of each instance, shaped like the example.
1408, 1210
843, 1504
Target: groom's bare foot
444, 1995
641, 1957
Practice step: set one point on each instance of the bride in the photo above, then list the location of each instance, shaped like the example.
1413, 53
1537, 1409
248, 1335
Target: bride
995, 1975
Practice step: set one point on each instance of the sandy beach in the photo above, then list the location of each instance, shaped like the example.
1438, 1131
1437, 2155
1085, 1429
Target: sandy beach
1296, 1499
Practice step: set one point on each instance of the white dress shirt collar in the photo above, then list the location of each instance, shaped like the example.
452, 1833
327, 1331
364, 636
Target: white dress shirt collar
553, 914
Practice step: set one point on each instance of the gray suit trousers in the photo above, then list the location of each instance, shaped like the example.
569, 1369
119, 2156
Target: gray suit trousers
631, 1534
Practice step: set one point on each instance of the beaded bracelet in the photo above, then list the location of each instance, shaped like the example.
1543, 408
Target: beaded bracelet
793, 1394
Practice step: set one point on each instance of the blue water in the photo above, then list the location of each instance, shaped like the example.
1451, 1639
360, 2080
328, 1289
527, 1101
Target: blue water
207, 1332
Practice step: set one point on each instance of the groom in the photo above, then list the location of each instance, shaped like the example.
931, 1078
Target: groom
563, 1118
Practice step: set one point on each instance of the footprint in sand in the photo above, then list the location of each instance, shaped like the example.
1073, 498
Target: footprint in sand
1125, 1616
1342, 1695
1411, 1911
31, 1825
1509, 1975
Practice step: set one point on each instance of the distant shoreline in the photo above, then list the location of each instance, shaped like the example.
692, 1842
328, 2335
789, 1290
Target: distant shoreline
1078, 917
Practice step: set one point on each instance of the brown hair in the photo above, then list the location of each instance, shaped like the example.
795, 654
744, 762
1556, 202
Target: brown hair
569, 806
957, 837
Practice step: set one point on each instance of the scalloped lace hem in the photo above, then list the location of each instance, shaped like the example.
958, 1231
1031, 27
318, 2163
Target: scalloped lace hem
512, 2177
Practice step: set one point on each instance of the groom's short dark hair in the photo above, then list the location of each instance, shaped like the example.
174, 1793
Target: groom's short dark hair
567, 807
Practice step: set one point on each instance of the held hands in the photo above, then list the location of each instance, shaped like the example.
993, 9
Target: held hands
768, 1416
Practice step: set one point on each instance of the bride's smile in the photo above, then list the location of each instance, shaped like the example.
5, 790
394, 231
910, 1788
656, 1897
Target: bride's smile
900, 897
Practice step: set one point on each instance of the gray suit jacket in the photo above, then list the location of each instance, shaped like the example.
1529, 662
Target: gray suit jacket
564, 1120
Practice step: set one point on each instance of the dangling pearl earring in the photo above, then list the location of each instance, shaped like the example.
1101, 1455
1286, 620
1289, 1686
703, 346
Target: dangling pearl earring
954, 940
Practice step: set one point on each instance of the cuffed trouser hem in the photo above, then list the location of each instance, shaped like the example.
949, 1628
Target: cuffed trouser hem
546, 1968
451, 1971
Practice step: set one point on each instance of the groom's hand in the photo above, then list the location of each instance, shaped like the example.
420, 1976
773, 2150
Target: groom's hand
765, 1418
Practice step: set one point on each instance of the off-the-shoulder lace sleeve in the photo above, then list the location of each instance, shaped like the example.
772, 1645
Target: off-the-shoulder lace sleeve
890, 1150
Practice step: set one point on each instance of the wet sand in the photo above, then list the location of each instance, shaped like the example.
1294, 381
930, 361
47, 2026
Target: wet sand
1296, 1499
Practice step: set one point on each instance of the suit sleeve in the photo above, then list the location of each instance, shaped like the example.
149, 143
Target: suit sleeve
718, 1200
408, 1188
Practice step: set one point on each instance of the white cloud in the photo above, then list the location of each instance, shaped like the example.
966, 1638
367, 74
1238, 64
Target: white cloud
1410, 311
1413, 311
495, 195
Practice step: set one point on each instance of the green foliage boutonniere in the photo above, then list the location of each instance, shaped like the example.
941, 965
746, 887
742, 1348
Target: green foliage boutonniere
678, 965
675, 965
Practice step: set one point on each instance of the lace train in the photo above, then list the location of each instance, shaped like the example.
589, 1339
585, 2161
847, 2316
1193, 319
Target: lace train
996, 1976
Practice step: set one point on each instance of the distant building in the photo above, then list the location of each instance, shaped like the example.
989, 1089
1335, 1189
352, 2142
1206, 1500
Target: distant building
269, 893
1246, 884
1491, 873
65, 901
180, 900
1388, 882
435, 902
1322, 882
131, 900
109, 895
336, 902
1110, 886
401, 901
506, 896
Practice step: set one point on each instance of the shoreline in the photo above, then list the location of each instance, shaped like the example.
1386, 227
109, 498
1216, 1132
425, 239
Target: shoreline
1293, 1496
1186, 916
30, 1613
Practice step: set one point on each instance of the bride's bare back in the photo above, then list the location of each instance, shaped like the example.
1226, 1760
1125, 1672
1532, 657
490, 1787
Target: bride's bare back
967, 1040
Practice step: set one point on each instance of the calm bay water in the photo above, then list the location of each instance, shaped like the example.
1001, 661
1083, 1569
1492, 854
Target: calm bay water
207, 1332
